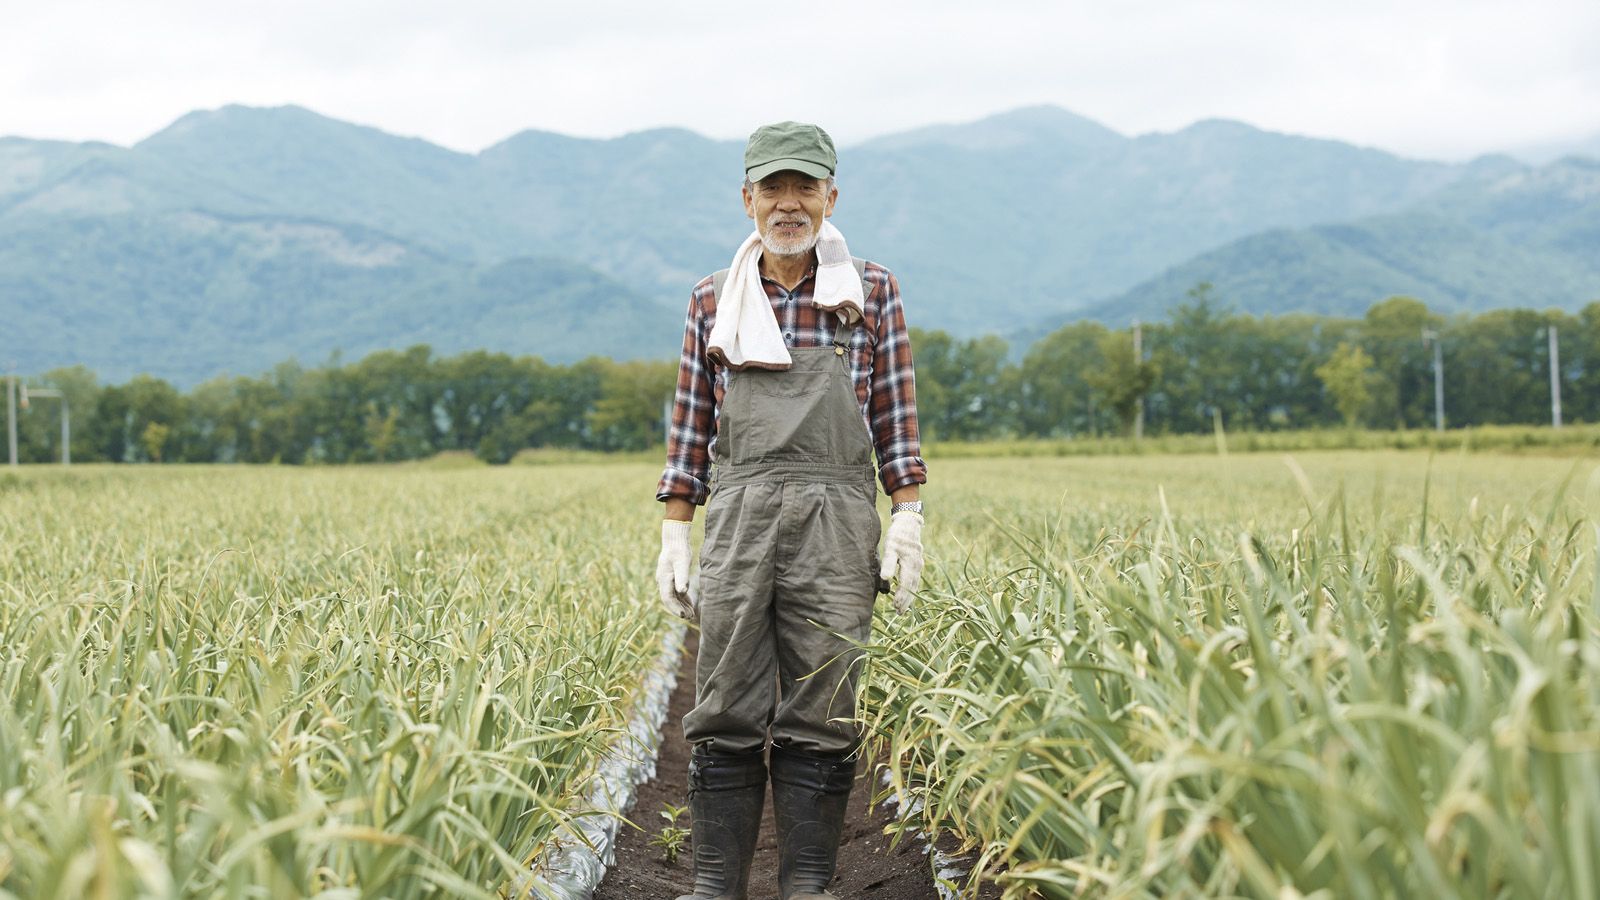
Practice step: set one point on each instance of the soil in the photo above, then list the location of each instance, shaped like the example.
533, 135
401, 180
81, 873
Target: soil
868, 867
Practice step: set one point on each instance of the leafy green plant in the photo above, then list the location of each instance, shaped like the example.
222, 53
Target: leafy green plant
672, 837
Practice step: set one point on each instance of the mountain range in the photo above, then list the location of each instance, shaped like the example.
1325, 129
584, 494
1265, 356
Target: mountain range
239, 237
1525, 238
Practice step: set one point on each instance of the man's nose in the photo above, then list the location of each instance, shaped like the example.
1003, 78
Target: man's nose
789, 200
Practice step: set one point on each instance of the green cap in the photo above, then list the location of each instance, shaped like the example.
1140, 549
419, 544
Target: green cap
789, 145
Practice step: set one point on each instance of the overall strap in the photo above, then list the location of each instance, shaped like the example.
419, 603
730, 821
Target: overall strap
842, 333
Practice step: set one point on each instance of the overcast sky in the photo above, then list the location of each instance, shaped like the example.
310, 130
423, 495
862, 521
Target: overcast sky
1444, 79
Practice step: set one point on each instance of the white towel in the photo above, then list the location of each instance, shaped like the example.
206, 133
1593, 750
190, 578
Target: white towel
745, 334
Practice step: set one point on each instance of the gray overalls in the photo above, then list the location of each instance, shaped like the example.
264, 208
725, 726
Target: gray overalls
788, 562
788, 574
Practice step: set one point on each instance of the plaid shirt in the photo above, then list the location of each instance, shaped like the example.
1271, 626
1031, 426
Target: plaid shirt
880, 367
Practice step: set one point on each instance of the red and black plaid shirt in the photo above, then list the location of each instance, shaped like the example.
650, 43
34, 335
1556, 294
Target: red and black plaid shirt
880, 367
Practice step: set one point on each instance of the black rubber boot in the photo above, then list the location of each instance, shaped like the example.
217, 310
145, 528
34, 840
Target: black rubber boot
726, 792
809, 796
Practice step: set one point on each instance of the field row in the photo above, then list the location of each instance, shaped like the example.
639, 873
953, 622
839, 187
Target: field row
290, 682
1348, 676
1344, 675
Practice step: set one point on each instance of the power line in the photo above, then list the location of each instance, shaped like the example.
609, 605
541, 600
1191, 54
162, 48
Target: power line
11, 411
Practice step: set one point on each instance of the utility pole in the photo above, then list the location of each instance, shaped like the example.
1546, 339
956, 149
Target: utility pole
1138, 363
1555, 380
66, 418
1429, 335
11, 412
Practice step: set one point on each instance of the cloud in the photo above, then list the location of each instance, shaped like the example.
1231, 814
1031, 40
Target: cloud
1437, 78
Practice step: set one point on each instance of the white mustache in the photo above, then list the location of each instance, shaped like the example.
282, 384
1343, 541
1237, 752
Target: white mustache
787, 219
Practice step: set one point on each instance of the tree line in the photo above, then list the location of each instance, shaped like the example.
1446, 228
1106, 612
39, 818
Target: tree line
389, 406
1206, 364
1203, 365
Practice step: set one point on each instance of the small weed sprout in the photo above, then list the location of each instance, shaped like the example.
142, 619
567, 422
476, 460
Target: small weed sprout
672, 837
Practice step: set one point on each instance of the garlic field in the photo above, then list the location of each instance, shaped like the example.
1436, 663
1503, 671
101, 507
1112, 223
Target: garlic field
1340, 675
288, 682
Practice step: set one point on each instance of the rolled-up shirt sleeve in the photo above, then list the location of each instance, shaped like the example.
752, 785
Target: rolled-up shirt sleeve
894, 394
688, 468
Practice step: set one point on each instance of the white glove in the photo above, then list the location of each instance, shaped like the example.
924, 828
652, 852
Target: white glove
903, 548
672, 570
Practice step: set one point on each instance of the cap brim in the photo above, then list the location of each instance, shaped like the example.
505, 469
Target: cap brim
804, 166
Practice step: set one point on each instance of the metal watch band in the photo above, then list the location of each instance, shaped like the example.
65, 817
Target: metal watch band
908, 506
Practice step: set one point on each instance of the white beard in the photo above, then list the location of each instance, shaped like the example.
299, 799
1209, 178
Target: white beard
796, 247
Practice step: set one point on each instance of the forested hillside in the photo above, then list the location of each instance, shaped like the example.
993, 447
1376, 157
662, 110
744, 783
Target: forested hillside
1519, 238
240, 237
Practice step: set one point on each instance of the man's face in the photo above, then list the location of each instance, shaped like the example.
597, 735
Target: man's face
788, 208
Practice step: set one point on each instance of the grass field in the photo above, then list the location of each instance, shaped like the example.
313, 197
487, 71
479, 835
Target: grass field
1151, 676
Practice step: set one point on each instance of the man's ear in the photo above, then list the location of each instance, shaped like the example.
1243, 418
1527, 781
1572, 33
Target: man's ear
833, 197
749, 202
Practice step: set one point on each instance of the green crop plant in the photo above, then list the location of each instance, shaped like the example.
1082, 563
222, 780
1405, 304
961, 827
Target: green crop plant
1350, 675
1344, 677
384, 682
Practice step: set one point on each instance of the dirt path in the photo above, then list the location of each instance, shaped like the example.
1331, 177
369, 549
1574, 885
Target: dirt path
867, 867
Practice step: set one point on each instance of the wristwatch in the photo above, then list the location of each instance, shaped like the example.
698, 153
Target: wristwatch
914, 506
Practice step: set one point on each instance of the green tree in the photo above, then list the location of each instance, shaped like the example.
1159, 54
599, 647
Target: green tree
380, 429
1392, 335
250, 419
1497, 366
627, 415
1292, 350
123, 412
1121, 379
1054, 395
39, 425
959, 385
478, 391
1199, 366
1347, 375
403, 384
1580, 359
154, 439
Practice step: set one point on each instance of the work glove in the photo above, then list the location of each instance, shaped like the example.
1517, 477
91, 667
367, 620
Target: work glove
672, 570
903, 549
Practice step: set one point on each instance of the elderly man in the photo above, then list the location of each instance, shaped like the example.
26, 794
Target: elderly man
796, 368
